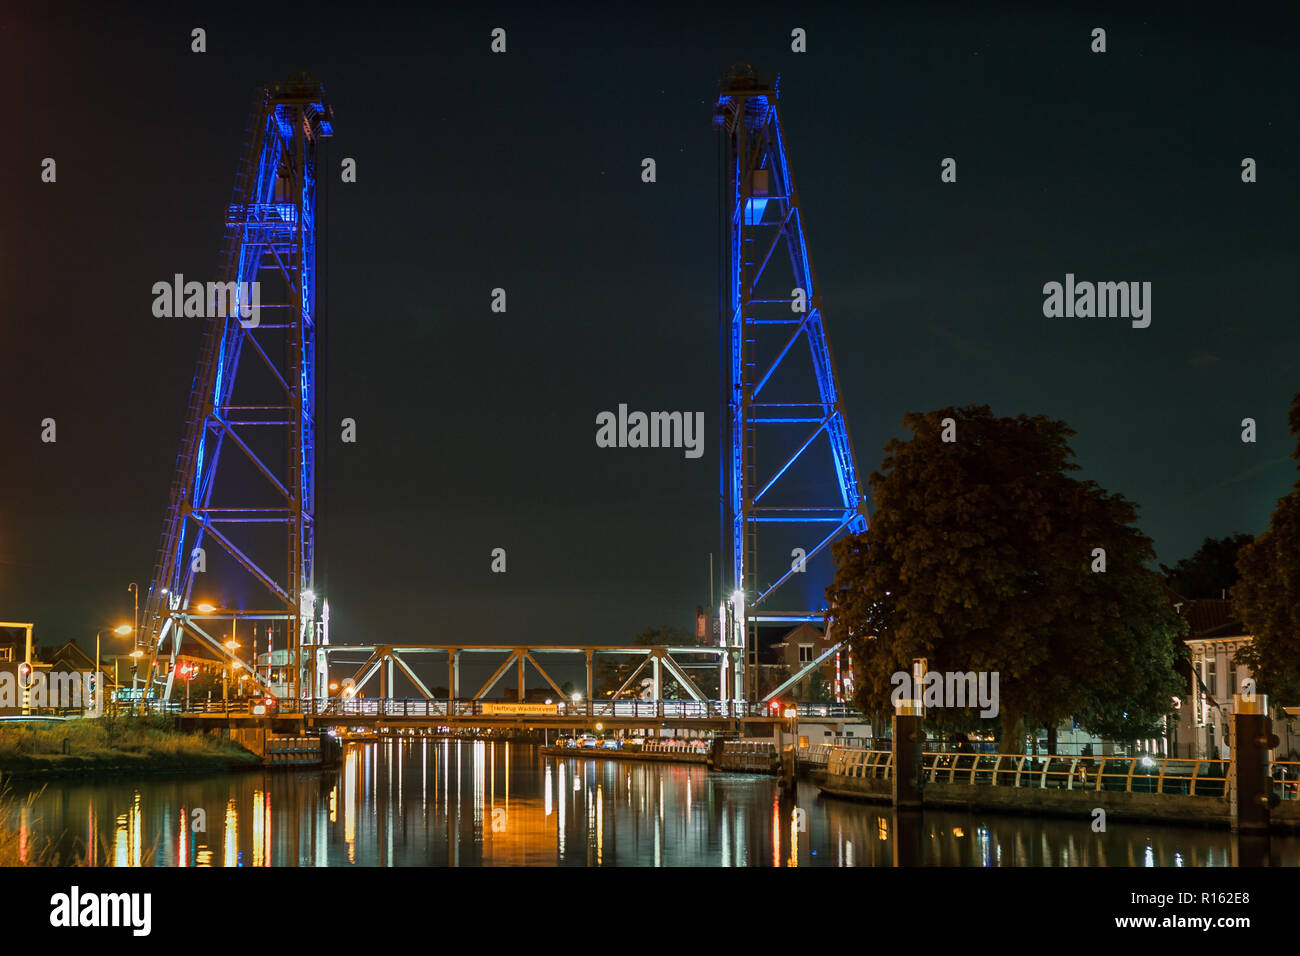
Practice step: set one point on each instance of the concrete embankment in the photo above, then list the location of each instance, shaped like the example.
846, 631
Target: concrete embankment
1171, 808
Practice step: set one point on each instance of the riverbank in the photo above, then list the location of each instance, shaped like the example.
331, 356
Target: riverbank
115, 746
1174, 809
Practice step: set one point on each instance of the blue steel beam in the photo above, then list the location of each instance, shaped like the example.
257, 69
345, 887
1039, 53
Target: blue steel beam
761, 212
270, 229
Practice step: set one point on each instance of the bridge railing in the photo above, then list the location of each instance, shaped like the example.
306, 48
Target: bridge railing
586, 710
1286, 779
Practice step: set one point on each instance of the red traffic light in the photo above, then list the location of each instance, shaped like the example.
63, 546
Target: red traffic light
776, 705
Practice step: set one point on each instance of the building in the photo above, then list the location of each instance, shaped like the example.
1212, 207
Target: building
69, 658
1215, 638
782, 656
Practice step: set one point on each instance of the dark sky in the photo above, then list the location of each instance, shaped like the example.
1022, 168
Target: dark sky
522, 170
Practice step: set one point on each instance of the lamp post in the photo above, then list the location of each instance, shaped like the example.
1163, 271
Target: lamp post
135, 666
231, 645
122, 630
135, 591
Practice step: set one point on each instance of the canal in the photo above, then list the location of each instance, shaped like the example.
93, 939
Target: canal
476, 803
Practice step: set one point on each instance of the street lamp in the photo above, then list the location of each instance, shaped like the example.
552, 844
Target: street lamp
205, 608
231, 645
134, 589
122, 630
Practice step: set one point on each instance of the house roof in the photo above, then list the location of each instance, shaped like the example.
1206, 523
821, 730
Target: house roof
71, 655
772, 650
1206, 617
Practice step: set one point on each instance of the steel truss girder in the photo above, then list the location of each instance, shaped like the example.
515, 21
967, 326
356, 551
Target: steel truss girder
379, 654
270, 227
760, 197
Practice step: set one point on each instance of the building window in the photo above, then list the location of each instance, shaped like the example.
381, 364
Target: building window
6, 653
805, 654
1212, 676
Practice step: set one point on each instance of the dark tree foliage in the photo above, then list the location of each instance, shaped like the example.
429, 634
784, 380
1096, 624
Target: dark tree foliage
979, 557
1267, 595
1209, 572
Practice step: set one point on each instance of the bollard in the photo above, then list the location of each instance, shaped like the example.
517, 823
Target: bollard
1251, 793
908, 742
788, 779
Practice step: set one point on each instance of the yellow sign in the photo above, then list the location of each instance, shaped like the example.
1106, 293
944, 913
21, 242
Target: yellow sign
509, 708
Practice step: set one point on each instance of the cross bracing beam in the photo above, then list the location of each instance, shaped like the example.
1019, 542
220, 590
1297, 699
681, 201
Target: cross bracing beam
500, 672
804, 671
419, 684
631, 677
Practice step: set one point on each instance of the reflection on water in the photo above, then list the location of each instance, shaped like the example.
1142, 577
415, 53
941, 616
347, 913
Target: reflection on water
471, 803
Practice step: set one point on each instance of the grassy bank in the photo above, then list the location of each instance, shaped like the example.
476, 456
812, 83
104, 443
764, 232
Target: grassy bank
114, 745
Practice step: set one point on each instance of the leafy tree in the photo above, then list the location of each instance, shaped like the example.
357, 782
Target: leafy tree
819, 688
1210, 571
204, 683
980, 557
1267, 596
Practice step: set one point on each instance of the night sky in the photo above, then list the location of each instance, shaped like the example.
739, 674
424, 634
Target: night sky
476, 430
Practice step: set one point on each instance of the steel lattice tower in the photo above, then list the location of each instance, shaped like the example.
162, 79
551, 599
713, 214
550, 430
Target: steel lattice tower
788, 465
252, 509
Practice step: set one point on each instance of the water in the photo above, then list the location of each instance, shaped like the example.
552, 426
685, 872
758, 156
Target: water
472, 803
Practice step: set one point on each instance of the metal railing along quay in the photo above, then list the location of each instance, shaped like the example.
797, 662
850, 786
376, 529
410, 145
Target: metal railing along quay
1145, 774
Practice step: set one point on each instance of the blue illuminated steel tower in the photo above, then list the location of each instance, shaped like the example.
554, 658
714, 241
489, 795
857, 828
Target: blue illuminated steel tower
241, 525
787, 465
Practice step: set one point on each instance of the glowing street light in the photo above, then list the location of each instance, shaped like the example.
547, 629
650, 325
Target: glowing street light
231, 645
121, 630
205, 608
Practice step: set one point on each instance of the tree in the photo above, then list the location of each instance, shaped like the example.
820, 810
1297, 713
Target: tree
1267, 594
982, 556
1209, 572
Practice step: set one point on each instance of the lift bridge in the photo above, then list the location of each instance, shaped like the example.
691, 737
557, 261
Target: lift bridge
788, 473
